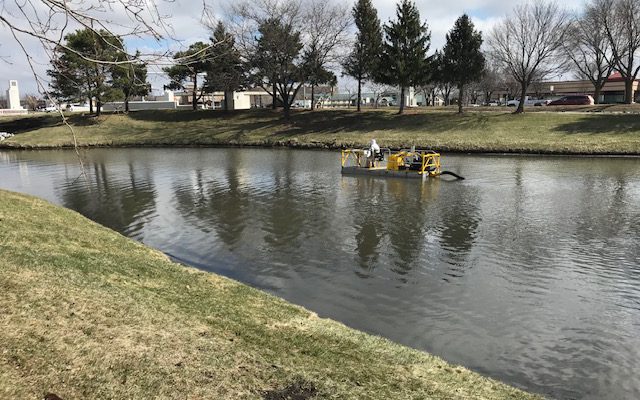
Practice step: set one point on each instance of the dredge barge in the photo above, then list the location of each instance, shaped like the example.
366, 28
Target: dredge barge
416, 164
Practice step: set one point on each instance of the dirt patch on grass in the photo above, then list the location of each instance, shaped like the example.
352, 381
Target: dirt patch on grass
297, 390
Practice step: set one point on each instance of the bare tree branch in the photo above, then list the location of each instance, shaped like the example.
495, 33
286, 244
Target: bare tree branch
528, 44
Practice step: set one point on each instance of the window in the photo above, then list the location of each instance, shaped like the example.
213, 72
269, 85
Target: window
14, 83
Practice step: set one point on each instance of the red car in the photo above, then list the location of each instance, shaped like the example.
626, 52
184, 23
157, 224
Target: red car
575, 100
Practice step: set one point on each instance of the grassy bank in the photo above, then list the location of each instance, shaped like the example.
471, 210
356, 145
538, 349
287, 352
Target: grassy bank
482, 131
88, 313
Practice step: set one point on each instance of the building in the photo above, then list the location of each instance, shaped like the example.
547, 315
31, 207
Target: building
238, 100
13, 96
612, 92
13, 100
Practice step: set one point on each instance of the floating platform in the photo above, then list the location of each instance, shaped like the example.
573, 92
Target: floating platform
384, 172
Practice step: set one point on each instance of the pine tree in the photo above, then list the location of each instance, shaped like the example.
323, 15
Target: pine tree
364, 58
190, 63
462, 60
225, 72
316, 73
130, 79
404, 57
76, 76
277, 62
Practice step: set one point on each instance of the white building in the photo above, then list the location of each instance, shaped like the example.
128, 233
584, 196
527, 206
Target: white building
13, 100
13, 96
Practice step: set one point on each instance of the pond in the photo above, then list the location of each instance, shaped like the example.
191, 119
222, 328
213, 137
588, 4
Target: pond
527, 271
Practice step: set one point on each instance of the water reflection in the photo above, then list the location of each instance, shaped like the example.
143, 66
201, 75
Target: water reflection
368, 222
200, 198
120, 200
528, 271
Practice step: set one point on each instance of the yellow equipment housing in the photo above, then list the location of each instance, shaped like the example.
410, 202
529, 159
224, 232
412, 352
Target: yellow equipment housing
421, 161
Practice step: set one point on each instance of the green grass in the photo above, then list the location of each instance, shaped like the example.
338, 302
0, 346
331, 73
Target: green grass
88, 313
477, 131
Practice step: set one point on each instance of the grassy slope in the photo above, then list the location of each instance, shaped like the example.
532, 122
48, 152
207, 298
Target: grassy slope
88, 313
546, 132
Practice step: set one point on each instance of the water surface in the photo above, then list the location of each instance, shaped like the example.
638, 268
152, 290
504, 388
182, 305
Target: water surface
528, 271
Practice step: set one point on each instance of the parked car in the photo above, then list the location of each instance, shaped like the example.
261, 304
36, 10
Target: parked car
528, 101
78, 107
575, 100
49, 109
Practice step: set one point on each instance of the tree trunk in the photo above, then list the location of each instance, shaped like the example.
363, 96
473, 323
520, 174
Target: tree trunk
98, 107
286, 104
523, 93
628, 91
359, 92
597, 92
126, 104
313, 92
401, 100
460, 98
273, 104
90, 105
194, 100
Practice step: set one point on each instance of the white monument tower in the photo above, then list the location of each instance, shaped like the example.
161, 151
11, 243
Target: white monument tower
13, 96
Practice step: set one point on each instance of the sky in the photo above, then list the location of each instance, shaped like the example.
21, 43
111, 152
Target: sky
185, 18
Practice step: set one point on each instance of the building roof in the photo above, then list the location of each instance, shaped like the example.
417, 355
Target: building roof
615, 77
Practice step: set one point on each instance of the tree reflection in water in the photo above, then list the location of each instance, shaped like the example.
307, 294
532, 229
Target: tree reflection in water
120, 200
216, 200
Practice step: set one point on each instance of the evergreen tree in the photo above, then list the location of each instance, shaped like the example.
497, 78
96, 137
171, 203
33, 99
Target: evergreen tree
277, 63
364, 58
131, 79
225, 71
83, 70
462, 60
190, 63
440, 77
316, 73
404, 57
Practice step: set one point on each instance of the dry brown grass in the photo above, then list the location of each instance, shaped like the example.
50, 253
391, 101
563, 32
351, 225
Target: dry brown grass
87, 313
441, 129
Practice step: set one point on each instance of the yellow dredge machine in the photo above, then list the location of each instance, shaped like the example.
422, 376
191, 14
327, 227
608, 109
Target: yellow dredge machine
404, 164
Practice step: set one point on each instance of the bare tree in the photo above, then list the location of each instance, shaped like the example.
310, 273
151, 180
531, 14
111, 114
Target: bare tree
326, 38
445, 89
588, 46
428, 92
473, 94
490, 82
352, 94
246, 17
32, 102
323, 32
510, 86
620, 20
538, 86
528, 44
49, 21
378, 90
